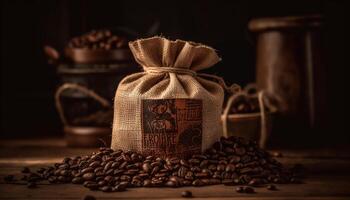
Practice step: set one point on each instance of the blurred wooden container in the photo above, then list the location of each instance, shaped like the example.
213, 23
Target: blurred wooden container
84, 101
254, 126
289, 68
247, 125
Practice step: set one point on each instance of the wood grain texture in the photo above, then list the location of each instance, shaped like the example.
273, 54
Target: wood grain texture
324, 181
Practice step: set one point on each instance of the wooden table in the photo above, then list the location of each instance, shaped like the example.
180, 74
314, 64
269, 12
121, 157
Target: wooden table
329, 176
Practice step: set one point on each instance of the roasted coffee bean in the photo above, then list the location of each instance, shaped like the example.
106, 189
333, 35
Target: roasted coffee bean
108, 178
240, 189
87, 170
182, 171
197, 182
184, 163
147, 183
155, 170
77, 180
194, 161
249, 190
31, 185
220, 167
89, 197
204, 163
95, 164
106, 188
230, 168
271, 187
240, 151
64, 166
88, 176
171, 184
201, 175
52, 179
118, 171
146, 167
102, 183
254, 182
196, 169
120, 187
186, 194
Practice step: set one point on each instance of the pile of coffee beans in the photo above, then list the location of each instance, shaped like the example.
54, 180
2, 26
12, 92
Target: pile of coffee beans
231, 161
245, 104
98, 39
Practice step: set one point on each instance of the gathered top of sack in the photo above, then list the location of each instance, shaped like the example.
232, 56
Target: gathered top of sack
158, 52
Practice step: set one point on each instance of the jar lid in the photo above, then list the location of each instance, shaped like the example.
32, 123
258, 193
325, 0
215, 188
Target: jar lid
289, 22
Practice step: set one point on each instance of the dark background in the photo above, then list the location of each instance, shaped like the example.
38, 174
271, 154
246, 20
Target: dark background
28, 82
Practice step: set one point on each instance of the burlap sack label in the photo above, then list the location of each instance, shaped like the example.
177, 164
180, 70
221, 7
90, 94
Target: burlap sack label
171, 127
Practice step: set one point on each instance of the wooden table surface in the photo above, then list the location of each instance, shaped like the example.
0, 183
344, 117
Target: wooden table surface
328, 176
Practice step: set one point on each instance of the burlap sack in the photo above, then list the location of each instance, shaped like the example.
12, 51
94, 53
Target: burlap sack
169, 109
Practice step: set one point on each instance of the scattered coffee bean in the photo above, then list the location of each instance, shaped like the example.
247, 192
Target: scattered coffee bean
240, 189
89, 197
31, 185
277, 154
106, 188
271, 187
249, 190
186, 194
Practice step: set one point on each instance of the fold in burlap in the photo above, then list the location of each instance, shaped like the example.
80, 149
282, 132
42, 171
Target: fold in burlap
158, 56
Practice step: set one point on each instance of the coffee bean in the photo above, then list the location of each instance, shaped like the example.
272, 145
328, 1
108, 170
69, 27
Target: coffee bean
230, 168
120, 187
240, 151
88, 176
248, 190
201, 175
52, 179
197, 182
240, 189
220, 167
186, 194
87, 170
102, 183
147, 183
106, 188
146, 167
277, 154
235, 159
31, 185
77, 180
271, 187
194, 161
89, 197
254, 182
